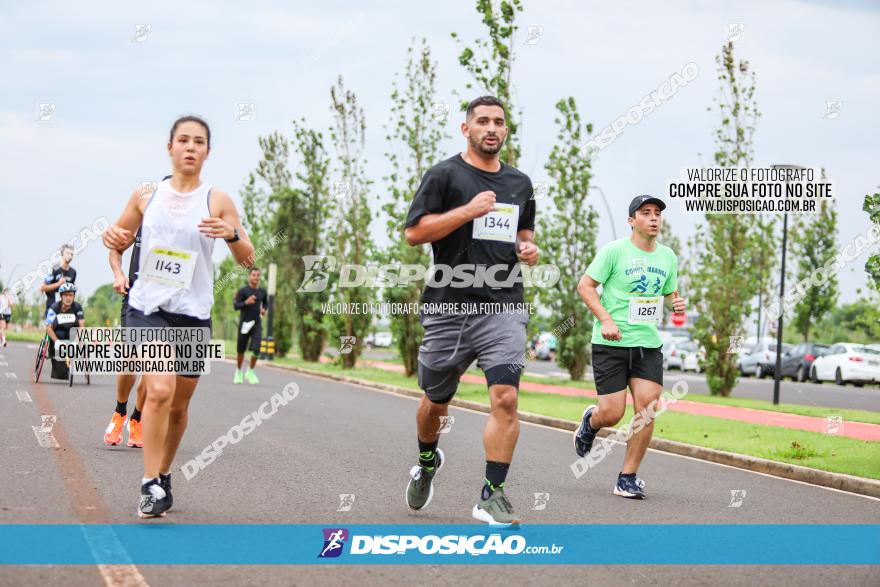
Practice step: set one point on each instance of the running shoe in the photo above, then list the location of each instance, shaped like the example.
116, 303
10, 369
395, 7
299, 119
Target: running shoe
629, 488
113, 434
154, 502
495, 511
165, 483
134, 434
238, 378
584, 435
251, 377
420, 488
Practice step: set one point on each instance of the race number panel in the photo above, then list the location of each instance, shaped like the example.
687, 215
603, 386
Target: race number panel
170, 266
498, 225
646, 310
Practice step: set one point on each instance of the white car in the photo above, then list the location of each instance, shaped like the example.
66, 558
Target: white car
383, 339
692, 356
673, 353
846, 362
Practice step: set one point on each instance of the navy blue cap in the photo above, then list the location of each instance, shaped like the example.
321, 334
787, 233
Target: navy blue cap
640, 201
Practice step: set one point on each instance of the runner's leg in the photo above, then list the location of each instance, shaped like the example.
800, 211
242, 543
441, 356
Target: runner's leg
645, 393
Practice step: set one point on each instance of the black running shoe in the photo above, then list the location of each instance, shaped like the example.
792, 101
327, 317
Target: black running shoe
153, 500
165, 482
584, 435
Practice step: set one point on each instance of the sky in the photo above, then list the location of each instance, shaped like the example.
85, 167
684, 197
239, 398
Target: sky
117, 75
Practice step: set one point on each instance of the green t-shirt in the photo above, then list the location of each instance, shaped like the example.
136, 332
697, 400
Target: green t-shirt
633, 284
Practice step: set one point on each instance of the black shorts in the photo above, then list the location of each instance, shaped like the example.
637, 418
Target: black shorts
6, 318
613, 366
255, 334
134, 318
123, 314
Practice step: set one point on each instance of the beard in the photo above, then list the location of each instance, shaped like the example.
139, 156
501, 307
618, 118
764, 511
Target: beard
478, 145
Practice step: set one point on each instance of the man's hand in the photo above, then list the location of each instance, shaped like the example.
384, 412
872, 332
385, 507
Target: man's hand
120, 283
481, 204
528, 252
679, 304
610, 331
251, 299
117, 238
263, 311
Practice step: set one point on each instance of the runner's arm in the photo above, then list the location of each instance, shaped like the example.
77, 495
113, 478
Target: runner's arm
433, 227
589, 294
223, 225
526, 249
120, 279
679, 304
120, 236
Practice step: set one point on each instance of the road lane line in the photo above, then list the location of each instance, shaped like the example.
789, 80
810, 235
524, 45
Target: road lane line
23, 396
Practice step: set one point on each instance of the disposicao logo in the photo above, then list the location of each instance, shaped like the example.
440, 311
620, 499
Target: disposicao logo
334, 540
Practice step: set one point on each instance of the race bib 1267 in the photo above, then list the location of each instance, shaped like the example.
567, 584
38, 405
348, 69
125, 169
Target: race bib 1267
646, 310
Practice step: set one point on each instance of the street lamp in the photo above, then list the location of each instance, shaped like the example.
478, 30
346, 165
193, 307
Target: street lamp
777, 371
607, 207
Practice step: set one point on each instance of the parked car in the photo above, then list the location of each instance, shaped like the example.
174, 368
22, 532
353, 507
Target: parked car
847, 363
383, 339
796, 362
692, 357
762, 359
545, 346
673, 353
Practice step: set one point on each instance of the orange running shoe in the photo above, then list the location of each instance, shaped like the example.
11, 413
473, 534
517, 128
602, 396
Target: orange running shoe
113, 434
134, 434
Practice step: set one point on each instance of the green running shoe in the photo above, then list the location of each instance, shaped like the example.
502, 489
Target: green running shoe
251, 377
238, 378
420, 488
495, 511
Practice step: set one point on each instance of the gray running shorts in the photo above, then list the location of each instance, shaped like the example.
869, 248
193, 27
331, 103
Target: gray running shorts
452, 342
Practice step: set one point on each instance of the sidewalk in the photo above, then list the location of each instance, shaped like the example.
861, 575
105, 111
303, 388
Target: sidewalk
857, 430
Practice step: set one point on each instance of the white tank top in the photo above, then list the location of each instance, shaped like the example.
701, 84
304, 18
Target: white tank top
171, 225
4, 304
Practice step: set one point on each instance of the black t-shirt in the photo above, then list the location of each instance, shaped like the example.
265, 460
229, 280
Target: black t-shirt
453, 183
250, 311
64, 320
57, 273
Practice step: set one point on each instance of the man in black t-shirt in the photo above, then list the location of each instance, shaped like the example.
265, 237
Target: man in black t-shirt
61, 274
479, 216
252, 302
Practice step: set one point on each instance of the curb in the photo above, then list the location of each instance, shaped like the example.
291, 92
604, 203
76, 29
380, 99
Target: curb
850, 483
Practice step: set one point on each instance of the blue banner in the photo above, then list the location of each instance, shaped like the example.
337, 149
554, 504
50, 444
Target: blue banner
161, 542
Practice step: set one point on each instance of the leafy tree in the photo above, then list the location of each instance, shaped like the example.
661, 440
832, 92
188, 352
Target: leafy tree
414, 136
352, 239
491, 64
102, 307
813, 244
568, 237
727, 249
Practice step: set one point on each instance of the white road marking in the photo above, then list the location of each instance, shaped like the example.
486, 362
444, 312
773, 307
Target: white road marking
4, 364
43, 432
32, 346
11, 375
23, 396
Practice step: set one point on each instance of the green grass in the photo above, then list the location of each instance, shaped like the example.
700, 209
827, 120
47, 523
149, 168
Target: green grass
26, 335
808, 449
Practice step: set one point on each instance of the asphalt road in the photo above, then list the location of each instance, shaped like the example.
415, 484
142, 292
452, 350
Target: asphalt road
345, 439
825, 395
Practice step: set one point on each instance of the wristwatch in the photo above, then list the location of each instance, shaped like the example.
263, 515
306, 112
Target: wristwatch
235, 238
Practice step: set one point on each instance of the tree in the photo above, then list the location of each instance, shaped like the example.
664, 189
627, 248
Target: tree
871, 205
669, 238
813, 244
102, 307
353, 243
728, 248
414, 136
568, 237
306, 207
492, 69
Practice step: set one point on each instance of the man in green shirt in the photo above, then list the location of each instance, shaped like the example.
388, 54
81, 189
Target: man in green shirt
636, 274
